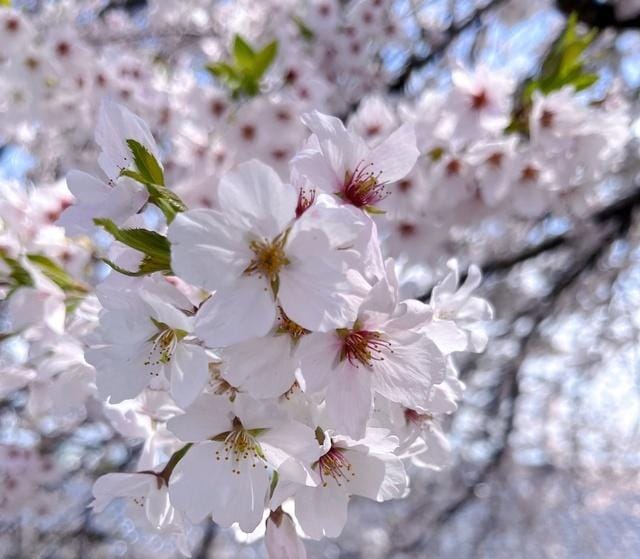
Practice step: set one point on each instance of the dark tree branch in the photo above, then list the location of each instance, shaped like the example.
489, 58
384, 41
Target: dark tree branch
128, 5
618, 215
207, 539
509, 388
597, 14
416, 61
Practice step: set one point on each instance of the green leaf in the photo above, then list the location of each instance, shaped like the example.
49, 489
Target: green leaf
57, 274
243, 54
225, 73
155, 247
146, 164
18, 275
585, 81
563, 66
243, 74
275, 477
264, 58
5, 3
149, 172
168, 201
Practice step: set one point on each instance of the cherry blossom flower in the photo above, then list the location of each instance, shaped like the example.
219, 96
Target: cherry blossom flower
340, 162
145, 340
148, 501
367, 467
455, 311
381, 352
237, 446
253, 251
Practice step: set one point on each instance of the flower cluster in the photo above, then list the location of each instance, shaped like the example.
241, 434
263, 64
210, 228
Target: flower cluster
262, 347
216, 281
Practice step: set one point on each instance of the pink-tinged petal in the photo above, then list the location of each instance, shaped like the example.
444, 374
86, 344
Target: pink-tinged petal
189, 373
314, 166
396, 156
409, 370
281, 539
207, 250
236, 313
321, 511
207, 417
254, 198
349, 399
342, 149
318, 354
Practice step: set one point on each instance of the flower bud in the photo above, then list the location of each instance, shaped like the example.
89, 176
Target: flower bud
281, 538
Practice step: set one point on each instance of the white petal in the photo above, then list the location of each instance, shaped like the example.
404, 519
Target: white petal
321, 511
243, 497
86, 188
369, 474
193, 486
158, 507
314, 290
288, 448
342, 149
265, 367
189, 373
120, 371
318, 354
110, 486
254, 197
397, 155
409, 370
207, 250
236, 313
207, 417
349, 399
117, 124
447, 336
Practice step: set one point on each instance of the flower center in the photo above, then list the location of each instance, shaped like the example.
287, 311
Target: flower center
305, 200
362, 346
416, 418
334, 464
289, 327
240, 444
363, 188
269, 258
163, 345
219, 385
